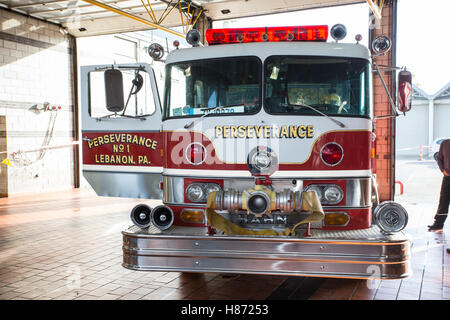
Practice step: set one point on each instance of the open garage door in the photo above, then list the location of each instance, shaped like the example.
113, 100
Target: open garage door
90, 17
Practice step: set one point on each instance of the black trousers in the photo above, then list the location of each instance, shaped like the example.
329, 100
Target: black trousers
444, 200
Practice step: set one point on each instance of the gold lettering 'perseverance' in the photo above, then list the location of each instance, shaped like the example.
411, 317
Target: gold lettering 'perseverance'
265, 132
122, 138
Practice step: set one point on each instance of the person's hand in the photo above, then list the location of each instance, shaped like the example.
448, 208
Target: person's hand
445, 173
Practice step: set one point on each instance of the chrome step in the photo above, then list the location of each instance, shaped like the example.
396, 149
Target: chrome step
359, 254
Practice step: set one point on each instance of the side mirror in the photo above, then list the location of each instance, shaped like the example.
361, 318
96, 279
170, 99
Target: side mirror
114, 90
405, 91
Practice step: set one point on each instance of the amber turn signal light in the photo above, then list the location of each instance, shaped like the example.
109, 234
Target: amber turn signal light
336, 219
192, 216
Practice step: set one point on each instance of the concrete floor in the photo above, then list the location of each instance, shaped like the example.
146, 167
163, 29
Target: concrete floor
67, 245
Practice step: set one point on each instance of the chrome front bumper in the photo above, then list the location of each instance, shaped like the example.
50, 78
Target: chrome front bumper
358, 254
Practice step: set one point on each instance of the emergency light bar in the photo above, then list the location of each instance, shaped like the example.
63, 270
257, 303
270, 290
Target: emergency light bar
267, 34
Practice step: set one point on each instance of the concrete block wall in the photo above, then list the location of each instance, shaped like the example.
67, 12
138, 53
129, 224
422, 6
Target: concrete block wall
35, 68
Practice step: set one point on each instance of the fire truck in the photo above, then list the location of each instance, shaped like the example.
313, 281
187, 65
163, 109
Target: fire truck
261, 152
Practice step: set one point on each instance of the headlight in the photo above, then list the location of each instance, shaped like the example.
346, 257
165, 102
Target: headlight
333, 194
211, 187
198, 192
316, 189
327, 193
194, 192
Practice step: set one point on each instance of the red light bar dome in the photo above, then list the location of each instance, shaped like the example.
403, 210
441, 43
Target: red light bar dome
267, 34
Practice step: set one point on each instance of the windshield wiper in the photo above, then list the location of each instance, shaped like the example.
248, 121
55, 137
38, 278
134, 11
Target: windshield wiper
117, 115
187, 126
340, 124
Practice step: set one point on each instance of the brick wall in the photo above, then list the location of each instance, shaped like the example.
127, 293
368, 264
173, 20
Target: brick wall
385, 128
35, 68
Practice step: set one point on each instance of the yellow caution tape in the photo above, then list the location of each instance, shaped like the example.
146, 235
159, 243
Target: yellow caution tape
311, 203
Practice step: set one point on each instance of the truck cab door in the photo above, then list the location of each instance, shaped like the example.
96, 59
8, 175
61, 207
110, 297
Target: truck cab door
122, 142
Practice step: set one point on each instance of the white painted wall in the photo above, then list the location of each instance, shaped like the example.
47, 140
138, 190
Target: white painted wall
412, 130
441, 118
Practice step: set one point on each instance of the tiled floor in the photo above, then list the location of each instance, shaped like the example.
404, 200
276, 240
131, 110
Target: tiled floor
68, 245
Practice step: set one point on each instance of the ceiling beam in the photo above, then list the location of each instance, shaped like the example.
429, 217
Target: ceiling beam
133, 17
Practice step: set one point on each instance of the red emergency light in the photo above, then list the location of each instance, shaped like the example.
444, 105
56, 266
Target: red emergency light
267, 34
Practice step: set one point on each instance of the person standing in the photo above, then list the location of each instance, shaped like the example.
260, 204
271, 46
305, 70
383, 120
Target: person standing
443, 161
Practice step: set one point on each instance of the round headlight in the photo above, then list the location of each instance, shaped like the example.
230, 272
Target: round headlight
194, 192
333, 194
210, 187
316, 189
391, 217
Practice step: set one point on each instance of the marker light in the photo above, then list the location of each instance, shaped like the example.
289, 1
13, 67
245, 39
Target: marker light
332, 154
336, 219
267, 34
192, 216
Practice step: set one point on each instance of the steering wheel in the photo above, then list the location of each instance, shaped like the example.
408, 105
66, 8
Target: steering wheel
342, 108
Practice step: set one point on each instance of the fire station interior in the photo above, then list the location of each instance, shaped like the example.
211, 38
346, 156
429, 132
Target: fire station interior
61, 240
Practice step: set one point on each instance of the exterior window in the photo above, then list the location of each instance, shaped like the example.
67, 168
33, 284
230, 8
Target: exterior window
138, 103
334, 86
219, 86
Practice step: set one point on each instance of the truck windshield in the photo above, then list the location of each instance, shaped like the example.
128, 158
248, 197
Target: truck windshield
219, 86
334, 86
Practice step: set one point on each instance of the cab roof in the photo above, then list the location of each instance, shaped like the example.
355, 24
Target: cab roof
266, 49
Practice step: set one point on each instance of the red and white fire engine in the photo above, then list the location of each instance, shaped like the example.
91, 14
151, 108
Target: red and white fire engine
261, 154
